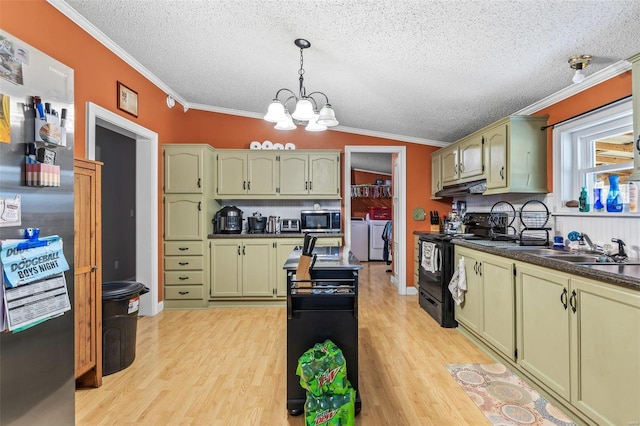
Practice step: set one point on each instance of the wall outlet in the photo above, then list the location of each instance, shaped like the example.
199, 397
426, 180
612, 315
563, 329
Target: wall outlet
116, 264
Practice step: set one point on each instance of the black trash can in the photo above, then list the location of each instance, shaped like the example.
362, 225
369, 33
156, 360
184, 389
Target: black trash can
120, 304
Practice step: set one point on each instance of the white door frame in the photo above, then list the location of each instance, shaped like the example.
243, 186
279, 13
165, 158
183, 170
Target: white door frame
146, 195
400, 226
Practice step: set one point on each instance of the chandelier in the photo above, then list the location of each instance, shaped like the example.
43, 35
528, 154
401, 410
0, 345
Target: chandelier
306, 105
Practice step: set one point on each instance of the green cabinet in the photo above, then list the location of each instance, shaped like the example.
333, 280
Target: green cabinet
517, 155
543, 325
511, 154
242, 268
316, 173
436, 174
488, 307
247, 173
188, 205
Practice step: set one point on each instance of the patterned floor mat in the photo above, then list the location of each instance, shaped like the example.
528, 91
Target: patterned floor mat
504, 398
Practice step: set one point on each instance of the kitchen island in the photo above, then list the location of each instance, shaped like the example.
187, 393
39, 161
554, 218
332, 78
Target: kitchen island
323, 307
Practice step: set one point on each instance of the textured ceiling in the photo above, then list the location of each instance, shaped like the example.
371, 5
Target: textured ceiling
426, 69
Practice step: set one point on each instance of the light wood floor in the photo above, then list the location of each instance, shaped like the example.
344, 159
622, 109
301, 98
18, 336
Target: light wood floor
226, 366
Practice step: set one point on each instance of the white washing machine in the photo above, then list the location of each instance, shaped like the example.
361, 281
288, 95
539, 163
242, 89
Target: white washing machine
360, 238
376, 243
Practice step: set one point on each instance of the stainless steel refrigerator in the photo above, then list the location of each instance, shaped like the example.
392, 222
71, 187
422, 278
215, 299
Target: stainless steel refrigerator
37, 382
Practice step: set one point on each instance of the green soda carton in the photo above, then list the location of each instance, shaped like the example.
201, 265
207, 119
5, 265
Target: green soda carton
323, 369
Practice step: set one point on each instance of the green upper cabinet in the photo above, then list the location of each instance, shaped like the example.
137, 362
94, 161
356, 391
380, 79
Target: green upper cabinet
310, 173
183, 169
247, 173
511, 154
436, 175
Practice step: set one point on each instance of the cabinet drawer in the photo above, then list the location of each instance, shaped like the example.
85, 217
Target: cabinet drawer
183, 277
183, 248
180, 263
184, 292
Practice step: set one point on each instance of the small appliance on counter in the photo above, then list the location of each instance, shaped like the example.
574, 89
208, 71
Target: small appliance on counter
273, 225
227, 220
290, 225
257, 223
320, 220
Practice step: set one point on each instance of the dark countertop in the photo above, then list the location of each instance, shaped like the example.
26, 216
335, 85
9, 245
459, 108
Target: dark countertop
625, 275
328, 258
281, 235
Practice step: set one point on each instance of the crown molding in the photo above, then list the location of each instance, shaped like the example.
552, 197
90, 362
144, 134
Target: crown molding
592, 80
88, 27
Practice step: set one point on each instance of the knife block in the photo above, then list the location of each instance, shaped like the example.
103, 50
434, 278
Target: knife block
302, 272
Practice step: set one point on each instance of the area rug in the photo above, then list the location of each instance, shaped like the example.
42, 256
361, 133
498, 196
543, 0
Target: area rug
504, 398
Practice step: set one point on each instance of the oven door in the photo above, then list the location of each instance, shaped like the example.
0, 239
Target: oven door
430, 270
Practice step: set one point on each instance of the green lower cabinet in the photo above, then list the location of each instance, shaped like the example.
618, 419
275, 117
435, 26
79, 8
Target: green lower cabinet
498, 321
543, 326
469, 312
242, 268
605, 352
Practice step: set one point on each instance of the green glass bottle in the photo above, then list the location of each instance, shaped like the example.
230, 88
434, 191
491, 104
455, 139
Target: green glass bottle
583, 201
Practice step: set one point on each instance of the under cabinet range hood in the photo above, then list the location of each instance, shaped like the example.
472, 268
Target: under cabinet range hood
474, 187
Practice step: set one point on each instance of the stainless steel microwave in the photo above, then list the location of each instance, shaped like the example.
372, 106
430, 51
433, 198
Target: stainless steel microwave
320, 220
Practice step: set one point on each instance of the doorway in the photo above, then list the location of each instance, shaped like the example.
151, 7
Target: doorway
399, 208
146, 202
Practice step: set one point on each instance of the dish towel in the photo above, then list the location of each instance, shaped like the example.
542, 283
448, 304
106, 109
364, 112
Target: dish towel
428, 260
458, 283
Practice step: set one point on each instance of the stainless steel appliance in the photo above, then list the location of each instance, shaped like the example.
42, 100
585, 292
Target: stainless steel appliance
320, 221
227, 220
273, 225
257, 224
289, 225
37, 382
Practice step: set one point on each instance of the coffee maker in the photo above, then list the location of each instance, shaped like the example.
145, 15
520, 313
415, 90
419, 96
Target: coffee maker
227, 220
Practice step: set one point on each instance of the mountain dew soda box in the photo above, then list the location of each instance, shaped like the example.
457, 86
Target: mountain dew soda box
330, 409
323, 369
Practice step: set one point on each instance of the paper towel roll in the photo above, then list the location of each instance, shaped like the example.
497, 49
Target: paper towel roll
278, 146
289, 145
255, 145
267, 145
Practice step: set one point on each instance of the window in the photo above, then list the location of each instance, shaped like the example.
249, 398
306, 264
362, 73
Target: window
590, 149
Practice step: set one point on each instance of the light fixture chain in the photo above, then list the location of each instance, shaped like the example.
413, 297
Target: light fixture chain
301, 73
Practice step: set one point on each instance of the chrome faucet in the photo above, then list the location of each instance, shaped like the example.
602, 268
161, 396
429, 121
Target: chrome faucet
583, 239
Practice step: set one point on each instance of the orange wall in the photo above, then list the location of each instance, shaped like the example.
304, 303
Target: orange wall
597, 96
97, 70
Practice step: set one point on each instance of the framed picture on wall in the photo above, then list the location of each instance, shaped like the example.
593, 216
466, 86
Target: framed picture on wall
127, 100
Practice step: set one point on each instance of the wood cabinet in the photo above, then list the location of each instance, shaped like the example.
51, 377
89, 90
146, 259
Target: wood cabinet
316, 173
87, 291
488, 307
635, 75
247, 173
189, 205
510, 154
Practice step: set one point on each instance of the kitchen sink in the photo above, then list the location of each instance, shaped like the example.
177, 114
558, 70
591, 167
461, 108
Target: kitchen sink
540, 251
578, 258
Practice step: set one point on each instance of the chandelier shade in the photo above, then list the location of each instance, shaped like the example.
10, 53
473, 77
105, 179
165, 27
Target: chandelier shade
306, 106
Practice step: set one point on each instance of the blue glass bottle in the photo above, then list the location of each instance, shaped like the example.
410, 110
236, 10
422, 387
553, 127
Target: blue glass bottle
614, 199
597, 200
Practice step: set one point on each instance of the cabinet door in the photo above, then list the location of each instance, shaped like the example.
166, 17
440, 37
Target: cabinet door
450, 165
294, 174
499, 319
543, 325
635, 75
469, 312
496, 141
258, 267
232, 173
183, 170
183, 218
226, 268
471, 154
262, 173
436, 178
324, 172
284, 247
605, 352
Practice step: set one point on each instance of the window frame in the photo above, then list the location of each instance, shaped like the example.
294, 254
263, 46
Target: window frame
568, 138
